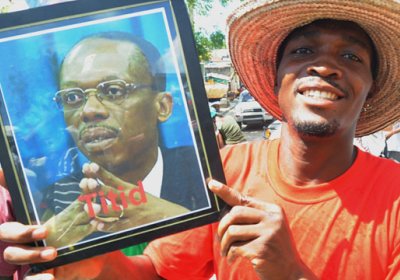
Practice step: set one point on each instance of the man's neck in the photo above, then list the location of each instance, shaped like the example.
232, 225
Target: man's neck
137, 169
308, 161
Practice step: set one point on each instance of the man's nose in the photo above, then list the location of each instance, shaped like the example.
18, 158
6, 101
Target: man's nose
94, 110
325, 68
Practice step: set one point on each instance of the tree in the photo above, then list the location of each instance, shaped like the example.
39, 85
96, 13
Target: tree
203, 46
217, 40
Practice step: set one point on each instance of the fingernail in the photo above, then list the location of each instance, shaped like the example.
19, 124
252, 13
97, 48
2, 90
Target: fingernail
94, 224
96, 208
40, 276
100, 226
85, 167
83, 183
48, 254
215, 184
39, 233
92, 184
47, 277
94, 167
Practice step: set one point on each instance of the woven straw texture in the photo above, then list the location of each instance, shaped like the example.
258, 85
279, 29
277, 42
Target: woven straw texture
257, 28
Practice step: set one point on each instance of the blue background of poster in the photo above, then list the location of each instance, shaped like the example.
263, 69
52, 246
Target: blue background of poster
29, 75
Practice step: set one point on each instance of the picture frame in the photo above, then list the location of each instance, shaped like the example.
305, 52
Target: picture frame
105, 131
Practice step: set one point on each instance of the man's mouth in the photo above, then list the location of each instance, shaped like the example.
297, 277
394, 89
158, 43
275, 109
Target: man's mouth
98, 138
324, 95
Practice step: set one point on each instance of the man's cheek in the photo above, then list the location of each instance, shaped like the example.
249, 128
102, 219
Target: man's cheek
73, 131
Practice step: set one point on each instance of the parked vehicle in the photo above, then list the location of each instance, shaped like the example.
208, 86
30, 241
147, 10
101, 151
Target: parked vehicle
249, 111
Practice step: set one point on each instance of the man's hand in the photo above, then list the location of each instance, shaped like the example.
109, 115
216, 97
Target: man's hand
258, 231
17, 234
132, 206
17, 253
70, 226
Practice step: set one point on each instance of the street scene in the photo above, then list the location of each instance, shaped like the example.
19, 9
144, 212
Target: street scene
254, 131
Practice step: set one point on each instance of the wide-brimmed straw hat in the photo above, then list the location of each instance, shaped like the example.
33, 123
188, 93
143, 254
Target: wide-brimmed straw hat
257, 28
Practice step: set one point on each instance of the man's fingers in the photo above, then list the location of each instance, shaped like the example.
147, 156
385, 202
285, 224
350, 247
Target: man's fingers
89, 185
239, 215
229, 195
90, 169
25, 255
238, 234
103, 177
14, 232
235, 198
42, 276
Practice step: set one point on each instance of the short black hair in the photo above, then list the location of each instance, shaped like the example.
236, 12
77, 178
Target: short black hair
329, 23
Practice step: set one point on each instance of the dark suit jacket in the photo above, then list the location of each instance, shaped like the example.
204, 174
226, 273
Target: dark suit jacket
182, 183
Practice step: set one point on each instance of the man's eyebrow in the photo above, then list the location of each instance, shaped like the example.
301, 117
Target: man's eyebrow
69, 84
314, 33
73, 84
306, 34
361, 43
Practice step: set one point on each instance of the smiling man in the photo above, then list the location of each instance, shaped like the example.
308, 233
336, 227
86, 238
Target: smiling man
309, 205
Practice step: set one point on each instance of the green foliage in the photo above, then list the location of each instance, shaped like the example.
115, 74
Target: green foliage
203, 46
206, 44
217, 40
200, 7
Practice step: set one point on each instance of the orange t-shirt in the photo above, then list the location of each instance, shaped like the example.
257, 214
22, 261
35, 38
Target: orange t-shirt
348, 228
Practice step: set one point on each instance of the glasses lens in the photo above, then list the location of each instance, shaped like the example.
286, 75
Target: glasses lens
72, 98
113, 91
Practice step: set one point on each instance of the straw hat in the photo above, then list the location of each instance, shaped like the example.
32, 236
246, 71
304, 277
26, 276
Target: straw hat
257, 29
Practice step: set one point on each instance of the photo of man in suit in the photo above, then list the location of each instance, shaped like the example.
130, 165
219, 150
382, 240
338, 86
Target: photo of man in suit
112, 94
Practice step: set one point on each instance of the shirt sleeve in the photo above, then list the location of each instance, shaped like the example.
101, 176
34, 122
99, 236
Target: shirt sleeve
185, 255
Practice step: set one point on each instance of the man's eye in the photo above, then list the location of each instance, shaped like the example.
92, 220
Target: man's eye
73, 98
352, 57
302, 51
114, 91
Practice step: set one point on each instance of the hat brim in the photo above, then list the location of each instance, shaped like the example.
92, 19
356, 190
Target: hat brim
257, 29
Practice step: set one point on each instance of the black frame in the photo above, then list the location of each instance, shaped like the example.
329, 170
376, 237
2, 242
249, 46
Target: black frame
193, 95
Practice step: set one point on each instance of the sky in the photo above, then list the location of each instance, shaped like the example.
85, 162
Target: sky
215, 20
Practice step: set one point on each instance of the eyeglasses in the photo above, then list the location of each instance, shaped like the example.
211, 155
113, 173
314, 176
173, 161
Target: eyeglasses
114, 91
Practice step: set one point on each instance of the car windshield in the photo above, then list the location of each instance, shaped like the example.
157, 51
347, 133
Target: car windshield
246, 97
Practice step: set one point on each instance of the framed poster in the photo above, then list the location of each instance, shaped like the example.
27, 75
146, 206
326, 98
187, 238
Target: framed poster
106, 136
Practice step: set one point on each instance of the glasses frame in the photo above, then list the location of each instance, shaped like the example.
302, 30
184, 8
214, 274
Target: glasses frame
100, 95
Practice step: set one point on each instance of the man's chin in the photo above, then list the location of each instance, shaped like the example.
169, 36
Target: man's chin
316, 129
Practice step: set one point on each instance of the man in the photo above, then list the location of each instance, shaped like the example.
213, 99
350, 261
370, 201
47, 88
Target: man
112, 93
308, 205
227, 131
393, 141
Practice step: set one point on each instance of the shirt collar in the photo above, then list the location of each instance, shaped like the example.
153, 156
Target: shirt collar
153, 181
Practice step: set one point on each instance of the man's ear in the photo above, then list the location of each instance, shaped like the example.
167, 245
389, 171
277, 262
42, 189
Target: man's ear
164, 106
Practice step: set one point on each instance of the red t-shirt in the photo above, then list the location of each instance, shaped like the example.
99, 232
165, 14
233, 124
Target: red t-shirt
348, 228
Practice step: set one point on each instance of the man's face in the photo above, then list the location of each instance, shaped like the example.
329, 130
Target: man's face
324, 78
115, 135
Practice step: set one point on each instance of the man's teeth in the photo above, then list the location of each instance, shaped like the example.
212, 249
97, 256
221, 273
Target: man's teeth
321, 95
98, 139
